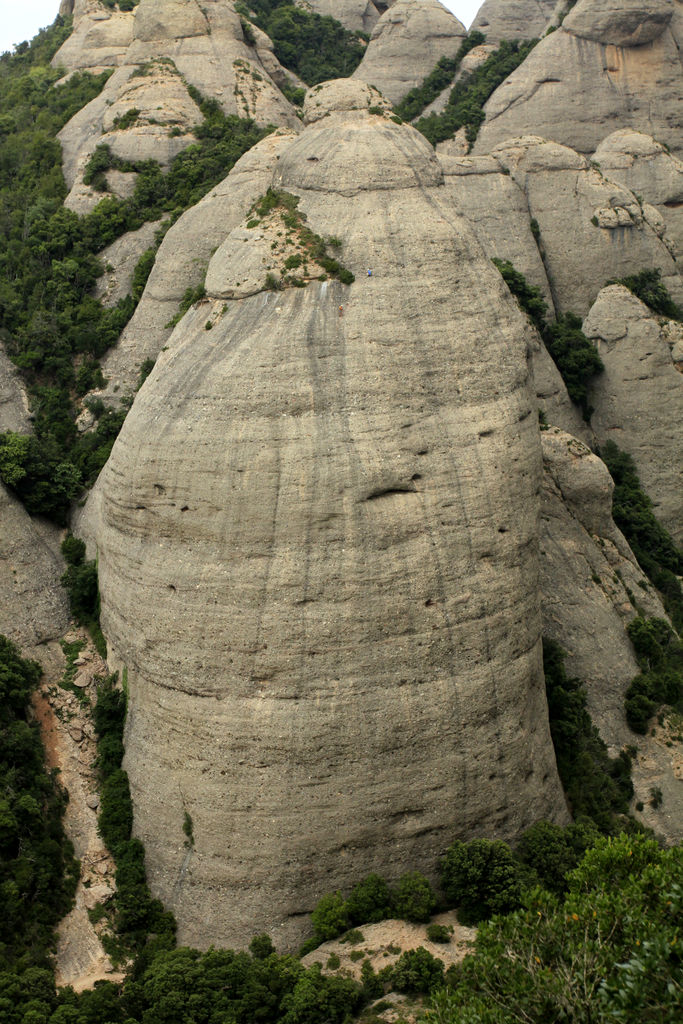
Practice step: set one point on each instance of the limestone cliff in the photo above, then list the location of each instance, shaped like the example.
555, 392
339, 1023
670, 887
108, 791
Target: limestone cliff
318, 557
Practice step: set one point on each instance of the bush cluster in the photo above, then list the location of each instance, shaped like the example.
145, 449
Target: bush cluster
465, 107
52, 327
314, 47
660, 656
598, 788
412, 105
651, 543
38, 872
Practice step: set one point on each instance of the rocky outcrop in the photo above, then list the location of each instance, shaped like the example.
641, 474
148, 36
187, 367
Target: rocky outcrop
513, 19
33, 604
120, 260
498, 210
639, 398
589, 228
649, 171
576, 91
182, 261
317, 555
620, 22
170, 44
587, 572
355, 15
14, 410
406, 44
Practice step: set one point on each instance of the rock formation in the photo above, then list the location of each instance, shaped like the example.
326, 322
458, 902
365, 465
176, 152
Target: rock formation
182, 261
513, 19
576, 89
406, 43
33, 605
645, 167
587, 571
167, 45
639, 398
590, 229
355, 15
317, 553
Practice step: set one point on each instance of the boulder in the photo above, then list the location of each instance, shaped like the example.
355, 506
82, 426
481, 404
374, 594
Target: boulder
318, 562
355, 15
638, 400
406, 44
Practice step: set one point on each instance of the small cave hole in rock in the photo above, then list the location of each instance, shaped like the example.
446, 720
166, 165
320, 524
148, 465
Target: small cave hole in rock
185, 508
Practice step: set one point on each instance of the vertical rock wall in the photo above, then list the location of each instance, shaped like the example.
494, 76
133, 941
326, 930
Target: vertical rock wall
317, 540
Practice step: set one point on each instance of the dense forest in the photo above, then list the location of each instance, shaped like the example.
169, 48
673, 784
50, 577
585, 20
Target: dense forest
577, 924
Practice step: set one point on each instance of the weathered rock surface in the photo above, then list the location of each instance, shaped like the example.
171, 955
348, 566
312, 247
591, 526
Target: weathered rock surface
498, 210
639, 398
586, 569
406, 43
513, 19
470, 62
317, 553
183, 258
14, 409
33, 604
620, 22
120, 260
577, 91
590, 229
170, 44
648, 170
355, 15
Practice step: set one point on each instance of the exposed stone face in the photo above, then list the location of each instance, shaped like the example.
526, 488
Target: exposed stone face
317, 553
183, 258
577, 91
406, 43
644, 166
120, 260
586, 569
639, 398
158, 50
513, 19
620, 22
14, 411
498, 210
590, 229
355, 15
33, 604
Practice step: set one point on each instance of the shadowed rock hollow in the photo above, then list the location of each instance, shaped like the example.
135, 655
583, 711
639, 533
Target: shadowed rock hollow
317, 539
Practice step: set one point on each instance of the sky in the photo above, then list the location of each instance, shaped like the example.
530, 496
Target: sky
21, 19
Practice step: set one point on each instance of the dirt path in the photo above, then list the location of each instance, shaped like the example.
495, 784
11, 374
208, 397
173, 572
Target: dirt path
70, 746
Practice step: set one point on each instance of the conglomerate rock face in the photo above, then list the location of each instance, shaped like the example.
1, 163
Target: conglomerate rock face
639, 398
317, 541
589, 577
576, 90
158, 50
406, 43
513, 19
